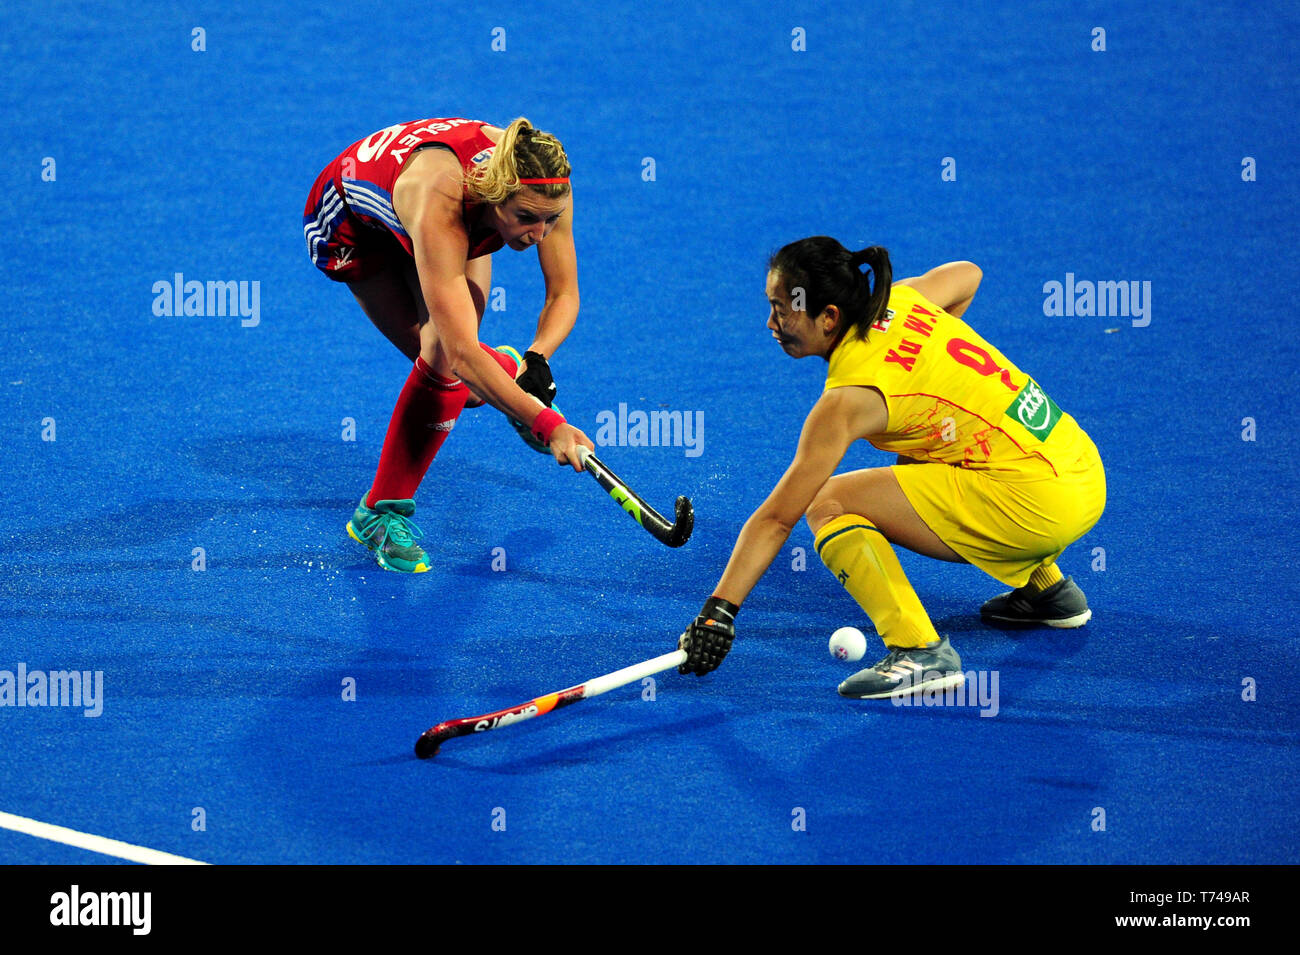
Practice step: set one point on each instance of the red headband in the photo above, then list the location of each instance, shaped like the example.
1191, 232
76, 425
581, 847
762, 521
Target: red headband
543, 182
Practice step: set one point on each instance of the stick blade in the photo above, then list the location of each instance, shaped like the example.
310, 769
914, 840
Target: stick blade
684, 523
431, 741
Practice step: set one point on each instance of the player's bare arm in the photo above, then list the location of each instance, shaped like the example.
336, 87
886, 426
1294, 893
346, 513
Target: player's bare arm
951, 286
559, 262
427, 199
840, 417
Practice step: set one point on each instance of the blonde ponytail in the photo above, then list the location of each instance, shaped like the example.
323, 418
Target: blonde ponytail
524, 152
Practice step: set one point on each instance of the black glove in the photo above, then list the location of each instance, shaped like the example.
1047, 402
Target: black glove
536, 379
707, 640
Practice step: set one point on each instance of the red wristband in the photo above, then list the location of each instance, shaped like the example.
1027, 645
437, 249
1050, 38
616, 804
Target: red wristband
545, 423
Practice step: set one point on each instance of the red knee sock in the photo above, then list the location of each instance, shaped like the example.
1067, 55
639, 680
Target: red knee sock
426, 412
507, 364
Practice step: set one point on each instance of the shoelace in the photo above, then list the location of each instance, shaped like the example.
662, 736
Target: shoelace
399, 529
889, 660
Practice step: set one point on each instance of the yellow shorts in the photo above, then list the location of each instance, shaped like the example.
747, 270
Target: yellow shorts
1007, 528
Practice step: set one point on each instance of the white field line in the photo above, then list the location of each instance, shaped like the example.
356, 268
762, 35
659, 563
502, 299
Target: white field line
84, 840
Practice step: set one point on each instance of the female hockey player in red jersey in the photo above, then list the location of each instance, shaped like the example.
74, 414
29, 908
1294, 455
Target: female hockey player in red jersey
409, 217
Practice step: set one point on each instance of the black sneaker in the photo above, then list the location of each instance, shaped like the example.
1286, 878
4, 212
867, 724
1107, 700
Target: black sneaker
1061, 605
906, 671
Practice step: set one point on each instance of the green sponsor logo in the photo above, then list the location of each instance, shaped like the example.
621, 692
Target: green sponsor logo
629, 505
1035, 412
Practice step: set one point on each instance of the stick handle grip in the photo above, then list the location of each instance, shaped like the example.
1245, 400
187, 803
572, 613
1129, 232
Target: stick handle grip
639, 671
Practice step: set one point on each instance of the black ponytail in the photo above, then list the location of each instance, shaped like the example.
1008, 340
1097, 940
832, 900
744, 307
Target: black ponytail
830, 274
877, 258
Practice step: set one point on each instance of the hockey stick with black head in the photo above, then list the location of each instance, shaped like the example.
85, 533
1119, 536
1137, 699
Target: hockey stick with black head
674, 533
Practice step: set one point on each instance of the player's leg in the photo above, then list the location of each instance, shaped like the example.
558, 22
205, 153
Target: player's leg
1012, 530
1048, 598
387, 302
428, 407
875, 494
425, 412
854, 519
394, 304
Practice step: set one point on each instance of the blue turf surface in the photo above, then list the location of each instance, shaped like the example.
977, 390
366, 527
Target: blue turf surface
223, 688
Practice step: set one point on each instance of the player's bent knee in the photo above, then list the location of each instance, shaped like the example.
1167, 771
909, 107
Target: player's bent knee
821, 511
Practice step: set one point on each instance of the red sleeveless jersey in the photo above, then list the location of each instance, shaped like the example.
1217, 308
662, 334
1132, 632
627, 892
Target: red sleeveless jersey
349, 222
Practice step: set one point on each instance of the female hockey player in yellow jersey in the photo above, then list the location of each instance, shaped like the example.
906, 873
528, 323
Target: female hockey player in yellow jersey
990, 471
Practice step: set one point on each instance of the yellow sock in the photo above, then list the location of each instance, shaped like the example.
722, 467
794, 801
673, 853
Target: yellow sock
856, 552
1044, 576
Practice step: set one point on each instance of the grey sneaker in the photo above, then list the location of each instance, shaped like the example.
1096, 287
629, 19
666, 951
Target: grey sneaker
1061, 605
387, 529
907, 671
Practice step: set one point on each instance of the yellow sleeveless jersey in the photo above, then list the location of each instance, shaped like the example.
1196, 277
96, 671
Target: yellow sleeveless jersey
953, 397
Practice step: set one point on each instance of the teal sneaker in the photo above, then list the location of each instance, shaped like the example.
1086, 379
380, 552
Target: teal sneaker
513, 353
388, 531
907, 671
520, 428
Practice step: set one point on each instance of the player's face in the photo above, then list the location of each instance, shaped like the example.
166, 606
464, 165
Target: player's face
798, 335
527, 218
